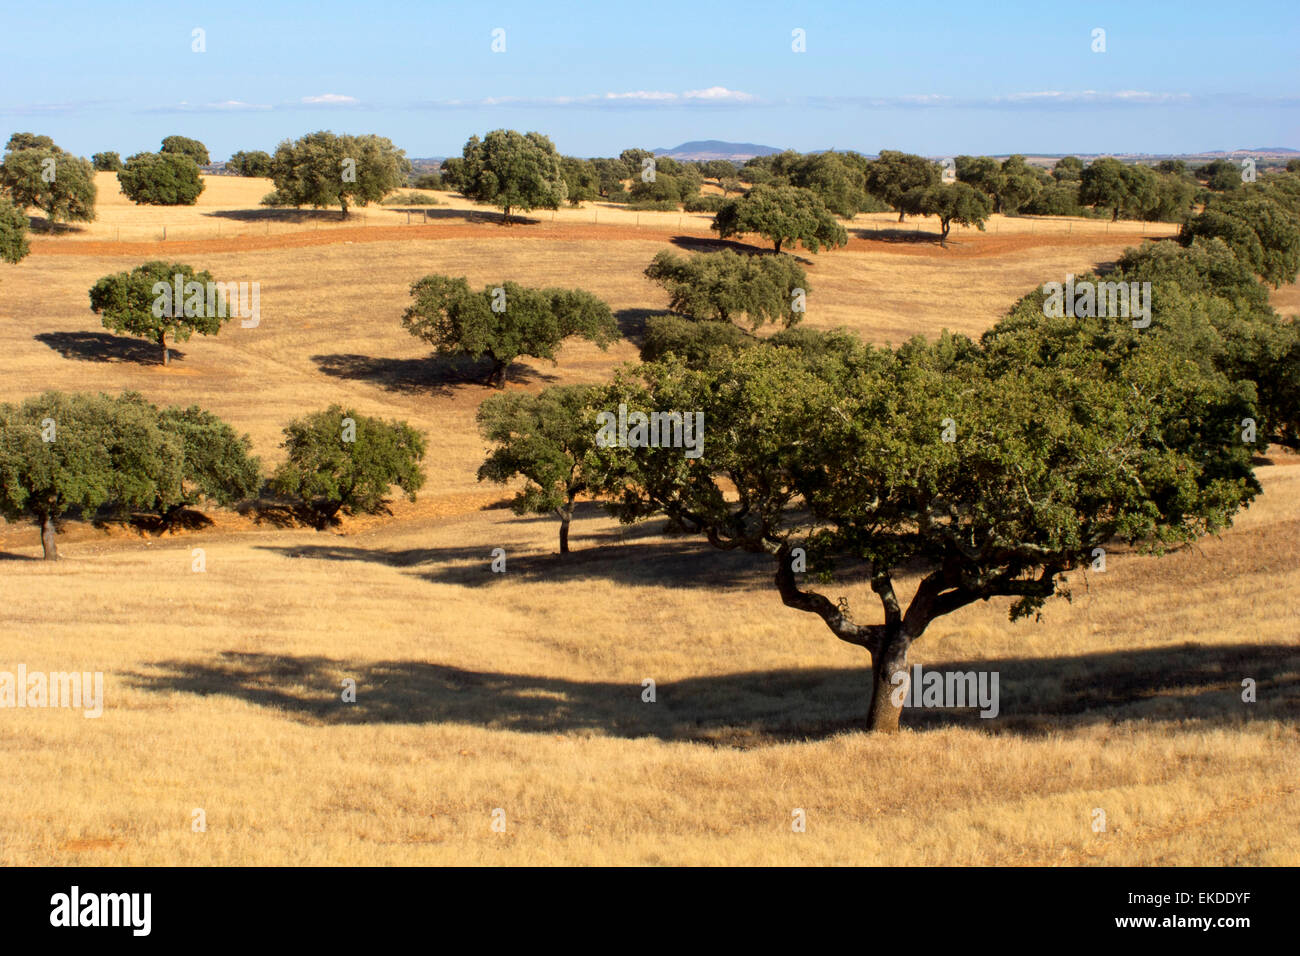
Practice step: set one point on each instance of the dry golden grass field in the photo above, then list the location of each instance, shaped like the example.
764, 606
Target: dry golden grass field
522, 691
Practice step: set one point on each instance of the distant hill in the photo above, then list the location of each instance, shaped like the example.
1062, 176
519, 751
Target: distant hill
716, 149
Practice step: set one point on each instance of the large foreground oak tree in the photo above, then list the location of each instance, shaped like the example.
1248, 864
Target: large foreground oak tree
981, 470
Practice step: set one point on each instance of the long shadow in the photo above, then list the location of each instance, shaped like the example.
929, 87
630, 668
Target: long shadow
277, 214
705, 244
634, 556
104, 347
435, 374
912, 236
1189, 686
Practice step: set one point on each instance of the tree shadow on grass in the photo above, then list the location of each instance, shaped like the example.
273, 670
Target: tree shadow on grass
105, 347
705, 244
900, 235
437, 374
1189, 684
635, 556
290, 215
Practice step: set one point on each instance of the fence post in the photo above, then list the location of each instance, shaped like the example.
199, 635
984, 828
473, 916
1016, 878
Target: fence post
164, 233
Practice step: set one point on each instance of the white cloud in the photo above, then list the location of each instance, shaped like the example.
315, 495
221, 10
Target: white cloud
330, 99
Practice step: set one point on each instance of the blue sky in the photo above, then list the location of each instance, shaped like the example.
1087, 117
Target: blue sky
938, 78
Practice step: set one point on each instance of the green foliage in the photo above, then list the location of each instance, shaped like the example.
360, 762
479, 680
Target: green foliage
58, 183
723, 286
323, 169
953, 202
1220, 175
704, 204
410, 199
143, 302
29, 141
64, 454
504, 322
217, 462
13, 233
1263, 234
580, 179
689, 340
161, 179
548, 439
781, 214
1211, 301
339, 460
890, 177
513, 170
653, 205
184, 146
108, 162
251, 163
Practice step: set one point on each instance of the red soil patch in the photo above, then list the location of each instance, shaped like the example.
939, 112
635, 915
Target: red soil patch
968, 246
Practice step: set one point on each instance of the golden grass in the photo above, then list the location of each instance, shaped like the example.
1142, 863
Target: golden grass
523, 691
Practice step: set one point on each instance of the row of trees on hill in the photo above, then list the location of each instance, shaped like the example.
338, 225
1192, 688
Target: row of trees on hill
88, 455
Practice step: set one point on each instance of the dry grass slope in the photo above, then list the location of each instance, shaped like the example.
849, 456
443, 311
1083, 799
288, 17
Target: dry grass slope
523, 691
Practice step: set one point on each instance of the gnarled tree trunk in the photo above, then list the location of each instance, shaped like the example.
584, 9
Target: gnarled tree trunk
886, 686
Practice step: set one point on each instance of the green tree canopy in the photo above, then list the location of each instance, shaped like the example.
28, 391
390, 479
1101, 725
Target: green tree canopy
549, 440
63, 454
891, 176
1263, 234
107, 162
161, 179
339, 460
323, 169
953, 202
13, 233
217, 462
184, 146
504, 322
724, 286
250, 163
991, 470
144, 302
781, 214
29, 141
513, 171
58, 183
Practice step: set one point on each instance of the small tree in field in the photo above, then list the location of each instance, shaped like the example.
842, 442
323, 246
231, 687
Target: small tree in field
161, 179
954, 202
893, 175
504, 322
253, 163
58, 183
184, 146
342, 461
548, 439
217, 462
323, 169
13, 233
146, 302
781, 214
513, 171
108, 162
66, 454
723, 286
